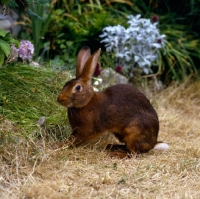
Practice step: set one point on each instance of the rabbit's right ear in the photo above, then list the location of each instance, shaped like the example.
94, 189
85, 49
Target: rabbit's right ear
83, 56
90, 66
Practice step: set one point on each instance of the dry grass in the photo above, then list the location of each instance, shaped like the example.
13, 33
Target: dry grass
87, 172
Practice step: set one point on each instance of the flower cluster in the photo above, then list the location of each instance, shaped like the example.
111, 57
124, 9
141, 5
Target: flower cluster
135, 47
26, 50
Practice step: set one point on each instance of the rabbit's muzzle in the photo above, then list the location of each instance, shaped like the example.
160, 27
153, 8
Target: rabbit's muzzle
64, 100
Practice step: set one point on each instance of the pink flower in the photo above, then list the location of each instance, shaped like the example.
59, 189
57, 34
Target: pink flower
155, 18
26, 50
118, 69
97, 71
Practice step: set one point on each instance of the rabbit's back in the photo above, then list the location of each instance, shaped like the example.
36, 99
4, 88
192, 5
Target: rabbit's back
123, 103
128, 98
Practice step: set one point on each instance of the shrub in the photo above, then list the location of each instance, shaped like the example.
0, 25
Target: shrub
74, 25
181, 25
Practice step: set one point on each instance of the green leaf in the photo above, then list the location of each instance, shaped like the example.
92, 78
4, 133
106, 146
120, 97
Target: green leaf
8, 34
13, 4
33, 14
2, 32
2, 57
5, 47
14, 41
11, 40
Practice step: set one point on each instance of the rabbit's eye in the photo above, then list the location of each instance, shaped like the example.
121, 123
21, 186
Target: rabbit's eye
77, 88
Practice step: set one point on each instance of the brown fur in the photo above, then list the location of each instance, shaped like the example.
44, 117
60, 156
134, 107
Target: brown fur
120, 109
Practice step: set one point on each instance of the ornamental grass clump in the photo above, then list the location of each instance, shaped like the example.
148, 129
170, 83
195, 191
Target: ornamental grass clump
136, 47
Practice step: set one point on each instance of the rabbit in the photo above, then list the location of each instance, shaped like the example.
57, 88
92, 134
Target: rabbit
120, 109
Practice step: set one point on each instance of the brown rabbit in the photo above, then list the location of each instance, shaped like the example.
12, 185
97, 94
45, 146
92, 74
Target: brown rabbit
120, 109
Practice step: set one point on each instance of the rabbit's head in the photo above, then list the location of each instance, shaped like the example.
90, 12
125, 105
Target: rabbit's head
78, 92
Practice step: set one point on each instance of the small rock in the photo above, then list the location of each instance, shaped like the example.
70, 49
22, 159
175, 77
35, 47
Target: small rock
34, 64
42, 121
110, 77
8, 22
5, 24
158, 85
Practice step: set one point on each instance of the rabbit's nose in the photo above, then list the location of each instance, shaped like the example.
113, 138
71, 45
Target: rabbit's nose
60, 98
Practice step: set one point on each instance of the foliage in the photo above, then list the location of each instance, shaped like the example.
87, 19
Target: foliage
181, 25
5, 46
39, 12
39, 24
22, 6
182, 55
79, 23
75, 24
135, 48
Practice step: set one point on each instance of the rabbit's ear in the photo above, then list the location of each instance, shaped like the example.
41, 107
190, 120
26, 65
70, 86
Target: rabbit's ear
90, 66
83, 56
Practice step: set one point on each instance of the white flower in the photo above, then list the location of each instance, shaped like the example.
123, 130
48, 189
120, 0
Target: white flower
136, 46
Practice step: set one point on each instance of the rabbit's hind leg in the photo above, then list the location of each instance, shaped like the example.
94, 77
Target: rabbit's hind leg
138, 139
117, 150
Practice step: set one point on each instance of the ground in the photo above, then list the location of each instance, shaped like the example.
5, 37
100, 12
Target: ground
88, 172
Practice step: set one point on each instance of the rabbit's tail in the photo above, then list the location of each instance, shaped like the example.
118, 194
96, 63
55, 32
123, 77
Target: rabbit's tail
161, 146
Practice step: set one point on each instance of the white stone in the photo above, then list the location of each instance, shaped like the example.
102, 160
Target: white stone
5, 24
9, 22
110, 77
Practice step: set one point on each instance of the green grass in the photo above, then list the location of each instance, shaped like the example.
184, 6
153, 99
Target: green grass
27, 93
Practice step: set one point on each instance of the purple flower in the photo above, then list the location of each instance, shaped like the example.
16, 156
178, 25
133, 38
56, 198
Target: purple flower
155, 18
118, 69
97, 71
26, 50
